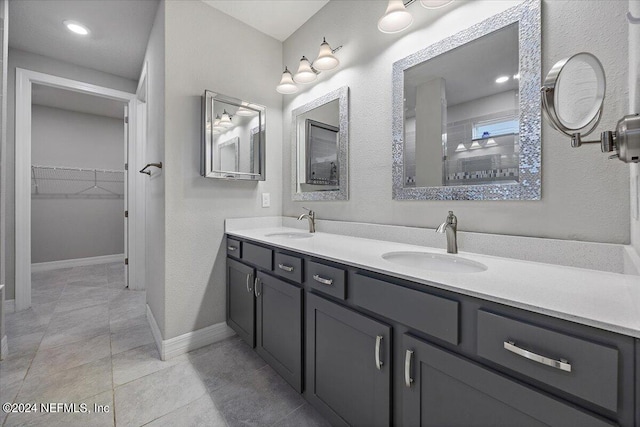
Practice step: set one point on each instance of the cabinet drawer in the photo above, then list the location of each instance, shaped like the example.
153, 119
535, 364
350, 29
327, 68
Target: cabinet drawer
582, 368
330, 280
234, 248
427, 313
288, 266
257, 255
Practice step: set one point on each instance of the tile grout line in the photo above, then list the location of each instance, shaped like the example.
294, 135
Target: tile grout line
304, 402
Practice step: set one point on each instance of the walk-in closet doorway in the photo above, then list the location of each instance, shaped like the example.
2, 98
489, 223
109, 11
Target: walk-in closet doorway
50, 185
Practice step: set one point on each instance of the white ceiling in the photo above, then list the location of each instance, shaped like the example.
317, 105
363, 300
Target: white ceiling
276, 18
75, 101
117, 43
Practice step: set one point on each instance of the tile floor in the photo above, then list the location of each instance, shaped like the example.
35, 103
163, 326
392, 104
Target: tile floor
86, 340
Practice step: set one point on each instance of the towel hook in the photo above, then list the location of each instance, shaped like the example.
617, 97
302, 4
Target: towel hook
144, 169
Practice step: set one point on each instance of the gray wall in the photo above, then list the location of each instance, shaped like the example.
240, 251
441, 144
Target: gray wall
584, 195
154, 187
76, 228
634, 107
29, 61
206, 49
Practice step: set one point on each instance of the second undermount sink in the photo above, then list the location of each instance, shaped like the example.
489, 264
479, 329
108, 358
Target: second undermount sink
291, 235
435, 262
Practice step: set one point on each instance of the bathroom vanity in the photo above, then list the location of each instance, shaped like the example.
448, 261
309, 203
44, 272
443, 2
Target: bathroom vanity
372, 342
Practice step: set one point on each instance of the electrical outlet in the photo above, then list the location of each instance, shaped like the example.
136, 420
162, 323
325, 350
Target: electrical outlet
266, 200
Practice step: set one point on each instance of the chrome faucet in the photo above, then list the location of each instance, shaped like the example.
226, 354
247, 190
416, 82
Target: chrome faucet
311, 216
450, 226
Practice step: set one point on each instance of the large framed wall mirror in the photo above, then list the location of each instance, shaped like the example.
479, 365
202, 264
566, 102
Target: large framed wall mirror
233, 138
466, 113
319, 141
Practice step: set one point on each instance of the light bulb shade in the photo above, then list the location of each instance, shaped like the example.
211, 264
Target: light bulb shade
216, 123
396, 18
286, 85
434, 4
326, 60
245, 112
305, 74
225, 120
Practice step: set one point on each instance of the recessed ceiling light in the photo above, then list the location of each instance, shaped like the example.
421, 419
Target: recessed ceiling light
502, 79
76, 27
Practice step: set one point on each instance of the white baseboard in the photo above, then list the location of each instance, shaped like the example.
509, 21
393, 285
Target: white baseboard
77, 262
187, 342
4, 348
9, 306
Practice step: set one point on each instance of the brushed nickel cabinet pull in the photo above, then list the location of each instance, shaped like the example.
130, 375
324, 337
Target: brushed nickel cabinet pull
287, 268
407, 368
322, 280
232, 248
379, 362
561, 364
249, 281
256, 292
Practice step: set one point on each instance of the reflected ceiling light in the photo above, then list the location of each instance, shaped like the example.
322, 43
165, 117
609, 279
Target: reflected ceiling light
460, 147
225, 120
216, 123
76, 27
516, 76
287, 85
305, 74
434, 4
245, 112
308, 71
326, 59
395, 18
502, 79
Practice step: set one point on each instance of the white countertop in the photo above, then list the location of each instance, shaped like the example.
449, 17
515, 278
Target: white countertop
604, 300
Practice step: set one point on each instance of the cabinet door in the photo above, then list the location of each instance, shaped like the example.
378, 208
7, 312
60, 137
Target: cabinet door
240, 300
279, 327
348, 364
442, 389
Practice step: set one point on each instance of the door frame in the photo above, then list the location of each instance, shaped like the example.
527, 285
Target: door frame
24, 81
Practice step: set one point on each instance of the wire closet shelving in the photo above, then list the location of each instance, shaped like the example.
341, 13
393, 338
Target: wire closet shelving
80, 183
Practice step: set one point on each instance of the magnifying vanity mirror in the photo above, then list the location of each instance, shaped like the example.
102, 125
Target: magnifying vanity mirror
233, 138
466, 113
573, 98
319, 141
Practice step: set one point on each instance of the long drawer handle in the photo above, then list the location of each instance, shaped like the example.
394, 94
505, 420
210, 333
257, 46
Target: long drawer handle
249, 281
561, 364
407, 368
256, 292
286, 268
322, 280
232, 248
379, 362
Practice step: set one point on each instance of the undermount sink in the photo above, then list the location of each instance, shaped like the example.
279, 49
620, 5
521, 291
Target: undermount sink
291, 235
435, 262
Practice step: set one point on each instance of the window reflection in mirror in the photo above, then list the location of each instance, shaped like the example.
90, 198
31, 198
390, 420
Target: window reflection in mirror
461, 114
318, 162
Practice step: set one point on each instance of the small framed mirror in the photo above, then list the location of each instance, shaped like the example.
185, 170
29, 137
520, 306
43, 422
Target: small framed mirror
233, 138
466, 113
319, 141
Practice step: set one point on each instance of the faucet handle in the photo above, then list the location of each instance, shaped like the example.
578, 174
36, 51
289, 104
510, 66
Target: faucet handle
309, 210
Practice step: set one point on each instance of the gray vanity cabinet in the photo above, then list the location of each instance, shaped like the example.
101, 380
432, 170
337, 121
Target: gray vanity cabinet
348, 364
240, 300
279, 327
441, 388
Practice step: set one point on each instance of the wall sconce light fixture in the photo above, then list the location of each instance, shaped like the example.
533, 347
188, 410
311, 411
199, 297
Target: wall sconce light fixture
396, 18
308, 71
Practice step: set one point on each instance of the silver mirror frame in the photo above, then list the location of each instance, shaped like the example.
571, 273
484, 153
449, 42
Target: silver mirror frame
206, 148
342, 95
527, 15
